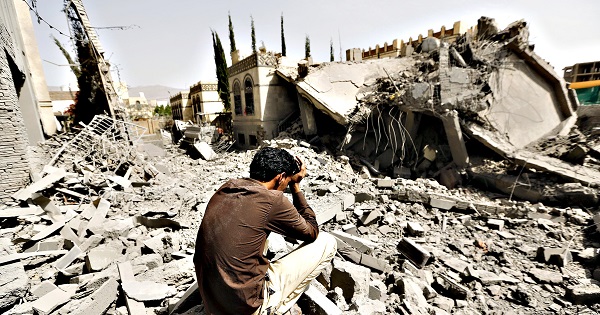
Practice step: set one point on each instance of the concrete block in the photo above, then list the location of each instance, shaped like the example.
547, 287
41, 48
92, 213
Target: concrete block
555, 256
412, 291
371, 217
452, 288
374, 263
441, 203
322, 304
414, 252
351, 278
99, 258
95, 224
68, 258
350, 229
385, 183
205, 151
415, 229
50, 301
328, 211
340, 217
584, 294
496, 224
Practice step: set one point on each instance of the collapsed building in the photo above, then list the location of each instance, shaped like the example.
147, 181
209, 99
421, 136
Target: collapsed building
430, 113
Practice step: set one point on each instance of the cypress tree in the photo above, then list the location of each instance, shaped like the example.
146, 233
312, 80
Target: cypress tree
307, 47
231, 36
331, 50
221, 69
253, 34
74, 67
282, 37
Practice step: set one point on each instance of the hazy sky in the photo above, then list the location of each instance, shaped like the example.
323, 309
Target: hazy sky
170, 42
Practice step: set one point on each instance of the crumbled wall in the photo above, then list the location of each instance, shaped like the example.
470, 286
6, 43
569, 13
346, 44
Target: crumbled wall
14, 170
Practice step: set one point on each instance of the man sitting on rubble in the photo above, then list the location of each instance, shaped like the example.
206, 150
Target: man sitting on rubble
234, 276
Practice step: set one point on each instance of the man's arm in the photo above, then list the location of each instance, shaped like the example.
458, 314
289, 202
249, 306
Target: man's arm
298, 220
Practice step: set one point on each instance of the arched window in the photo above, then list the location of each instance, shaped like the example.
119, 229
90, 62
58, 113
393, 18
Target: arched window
249, 95
237, 98
138, 105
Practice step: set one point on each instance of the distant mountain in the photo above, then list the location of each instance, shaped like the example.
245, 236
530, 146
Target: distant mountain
154, 92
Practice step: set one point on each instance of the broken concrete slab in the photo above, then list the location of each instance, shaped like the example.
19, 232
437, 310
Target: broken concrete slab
97, 219
45, 182
99, 258
546, 276
205, 151
100, 300
142, 290
43, 288
351, 278
68, 258
50, 301
361, 244
414, 252
321, 302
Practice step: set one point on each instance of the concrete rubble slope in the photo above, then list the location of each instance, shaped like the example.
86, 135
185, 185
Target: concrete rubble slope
123, 218
405, 246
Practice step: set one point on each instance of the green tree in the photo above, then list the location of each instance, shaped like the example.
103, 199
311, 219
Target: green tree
282, 38
167, 111
331, 50
253, 34
74, 67
221, 69
231, 35
307, 47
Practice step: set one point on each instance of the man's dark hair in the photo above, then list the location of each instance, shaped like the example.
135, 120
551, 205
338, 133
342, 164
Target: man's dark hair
268, 162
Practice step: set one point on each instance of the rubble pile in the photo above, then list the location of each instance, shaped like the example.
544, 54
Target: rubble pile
428, 221
76, 243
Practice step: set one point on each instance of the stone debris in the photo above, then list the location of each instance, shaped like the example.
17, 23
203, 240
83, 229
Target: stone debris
113, 231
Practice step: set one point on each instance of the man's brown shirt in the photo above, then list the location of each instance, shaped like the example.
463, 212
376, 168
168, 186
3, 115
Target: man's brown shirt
229, 260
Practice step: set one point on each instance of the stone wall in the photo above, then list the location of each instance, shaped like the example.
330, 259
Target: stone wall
14, 169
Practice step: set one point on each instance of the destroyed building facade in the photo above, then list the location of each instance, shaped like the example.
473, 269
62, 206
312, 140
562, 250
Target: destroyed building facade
399, 48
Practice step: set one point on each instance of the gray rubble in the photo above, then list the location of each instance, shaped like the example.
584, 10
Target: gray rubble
96, 226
